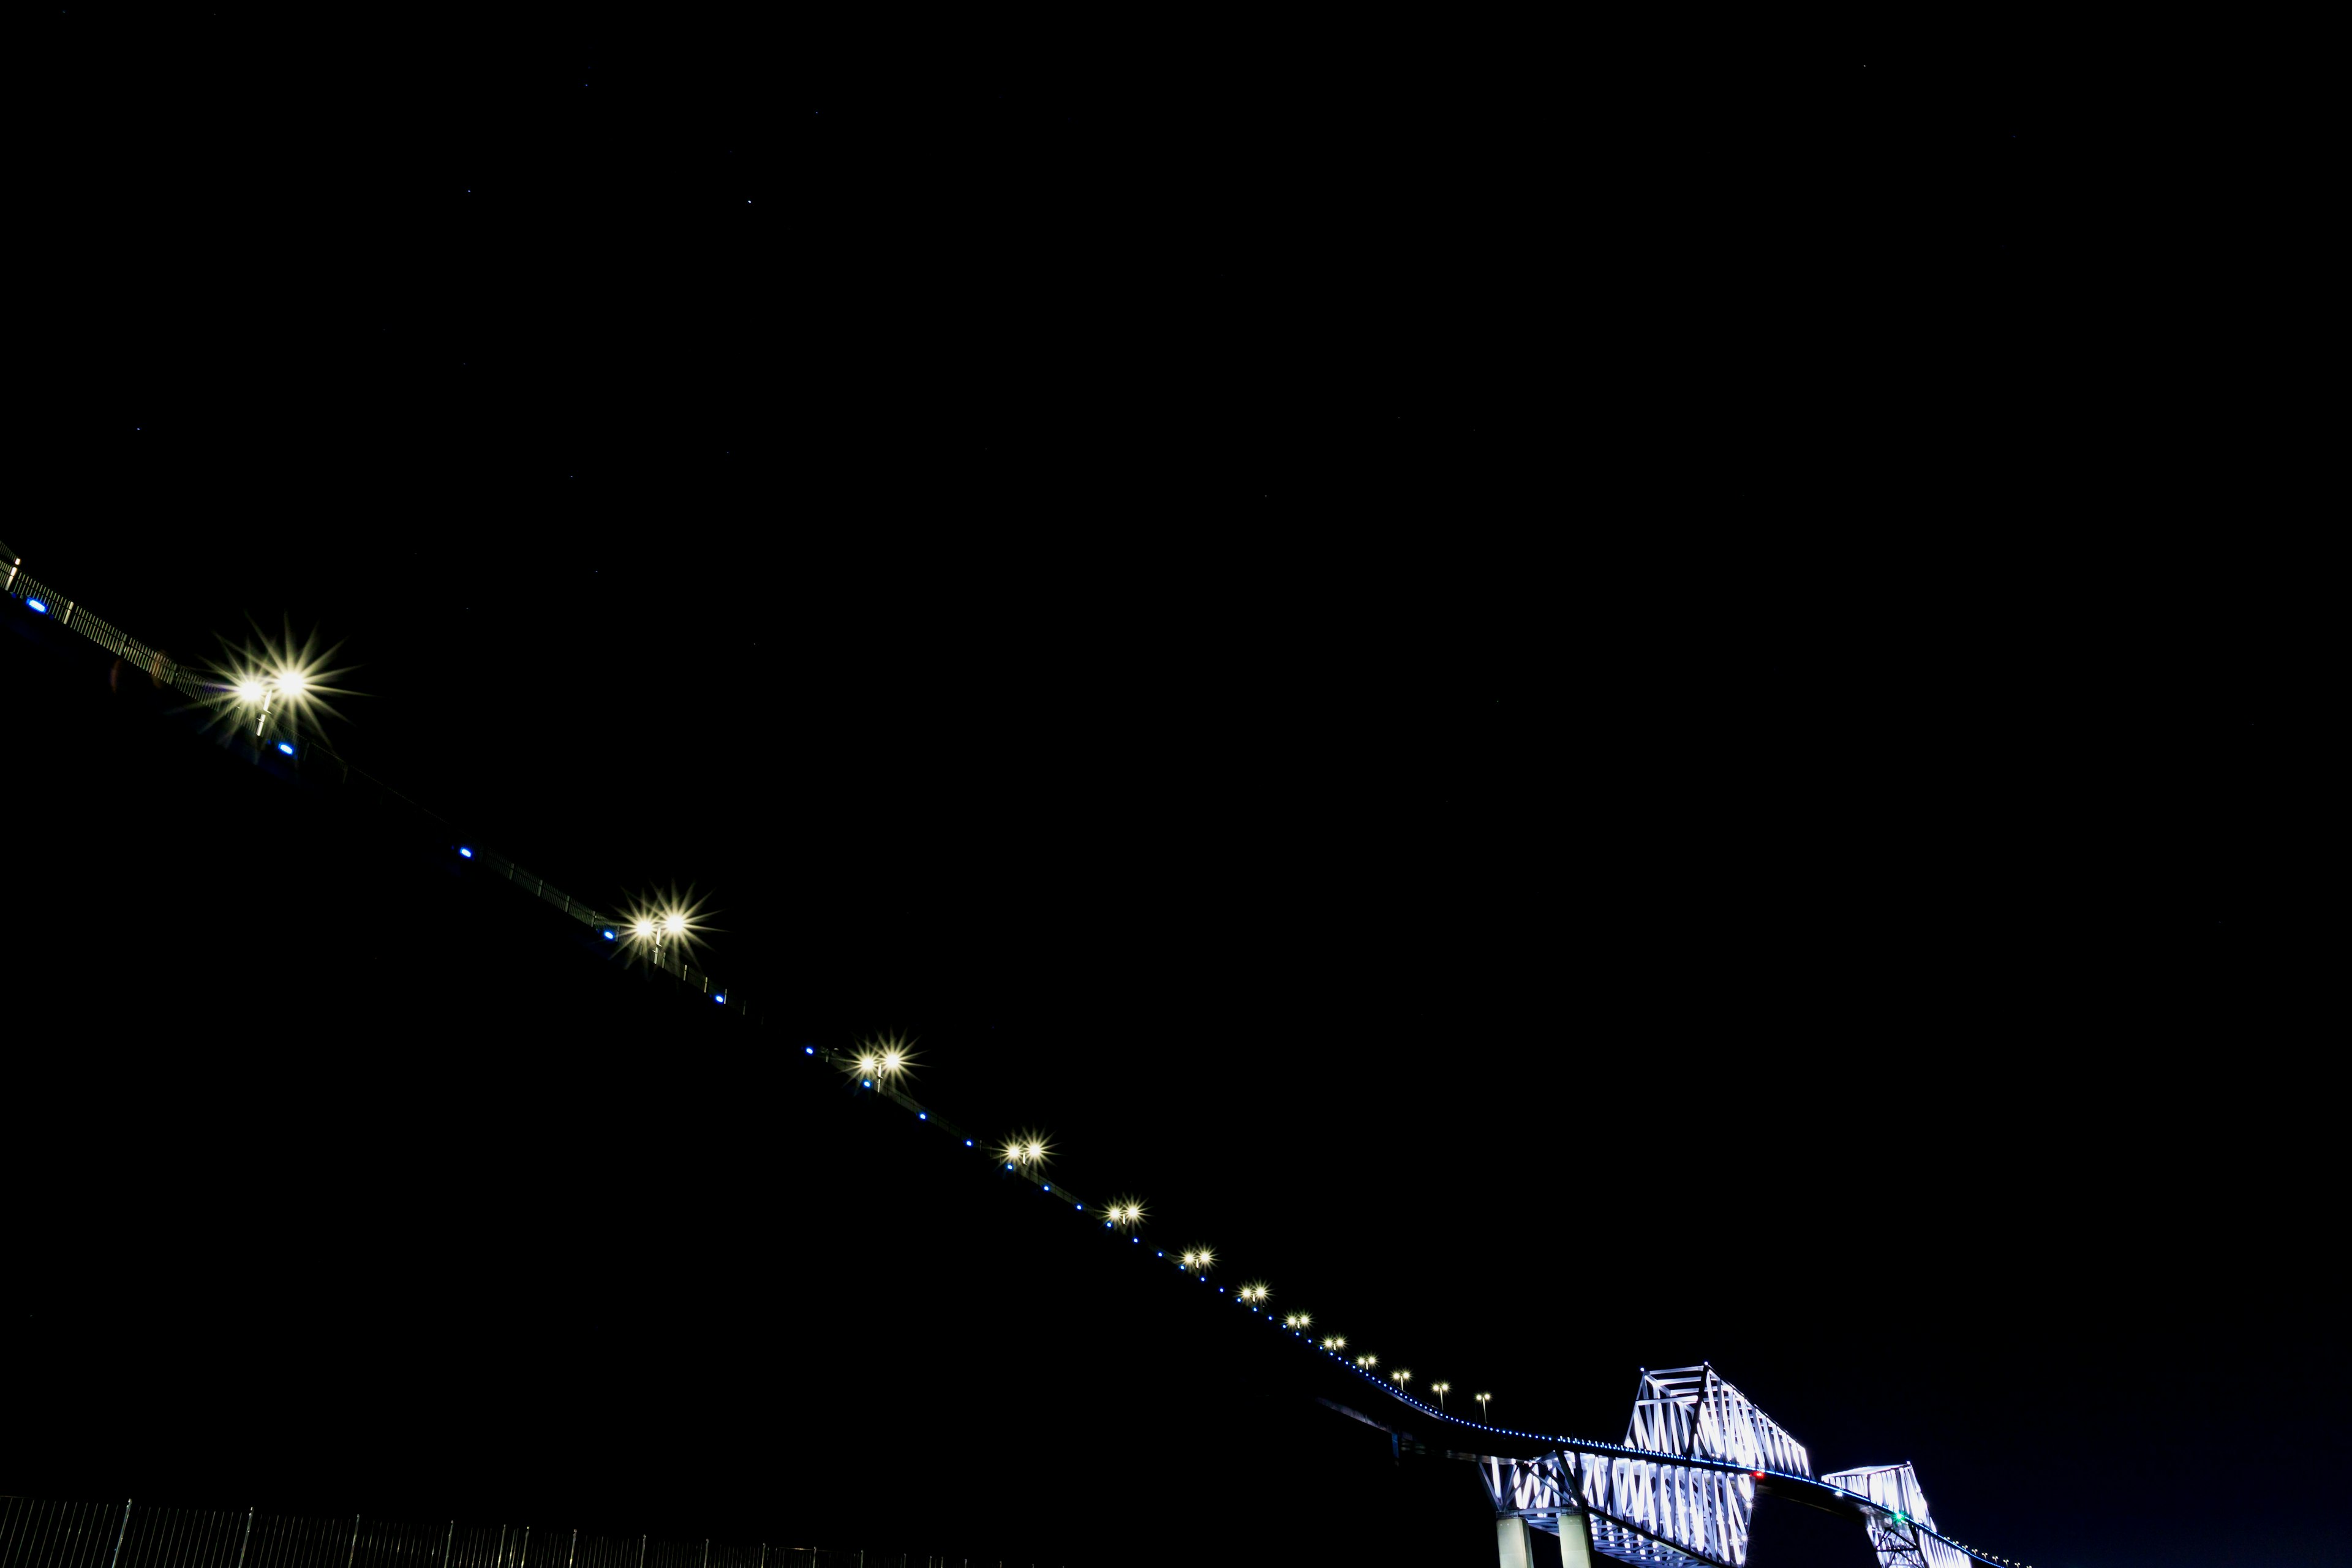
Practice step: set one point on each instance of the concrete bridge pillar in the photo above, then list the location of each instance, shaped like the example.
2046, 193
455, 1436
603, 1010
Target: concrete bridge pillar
1513, 1548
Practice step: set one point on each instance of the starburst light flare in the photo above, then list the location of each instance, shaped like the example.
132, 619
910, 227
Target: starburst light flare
1029, 1150
276, 684
884, 1060
1254, 1291
1126, 1214
664, 928
1198, 1260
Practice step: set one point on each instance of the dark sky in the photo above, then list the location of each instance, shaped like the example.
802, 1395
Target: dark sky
1541, 704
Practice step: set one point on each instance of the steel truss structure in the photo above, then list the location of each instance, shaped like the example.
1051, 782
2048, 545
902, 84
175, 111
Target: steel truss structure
1898, 1518
1692, 1505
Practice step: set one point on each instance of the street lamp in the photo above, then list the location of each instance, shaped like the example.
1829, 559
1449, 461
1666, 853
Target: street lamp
1481, 1399
884, 1062
1252, 1293
1439, 1389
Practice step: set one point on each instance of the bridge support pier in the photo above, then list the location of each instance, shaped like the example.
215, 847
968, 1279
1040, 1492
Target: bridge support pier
1515, 1545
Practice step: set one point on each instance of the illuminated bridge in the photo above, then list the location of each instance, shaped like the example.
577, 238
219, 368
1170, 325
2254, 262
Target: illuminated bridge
1678, 1490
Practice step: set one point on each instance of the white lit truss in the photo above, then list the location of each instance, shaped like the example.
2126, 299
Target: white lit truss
1656, 1513
1898, 1517
1693, 1412
1648, 1512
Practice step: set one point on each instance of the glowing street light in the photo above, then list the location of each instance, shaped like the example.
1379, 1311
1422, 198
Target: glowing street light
1296, 1320
1335, 1341
663, 930
1253, 1294
1439, 1389
1401, 1377
1029, 1152
1124, 1214
1481, 1399
1368, 1362
1199, 1260
883, 1062
280, 683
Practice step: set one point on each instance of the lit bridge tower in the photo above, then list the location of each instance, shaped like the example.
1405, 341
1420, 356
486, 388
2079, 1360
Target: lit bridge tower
1681, 1490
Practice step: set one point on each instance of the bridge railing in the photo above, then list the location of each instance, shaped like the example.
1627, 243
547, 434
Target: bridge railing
37, 1533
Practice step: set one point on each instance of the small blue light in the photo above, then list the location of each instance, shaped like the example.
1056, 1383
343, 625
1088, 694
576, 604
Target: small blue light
967, 1142
805, 1050
1008, 1167
288, 747
1047, 1185
721, 998
610, 937
37, 607
867, 1082
1080, 1207
922, 1116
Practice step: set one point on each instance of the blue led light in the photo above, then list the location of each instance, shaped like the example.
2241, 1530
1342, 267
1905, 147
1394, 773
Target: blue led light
463, 853
721, 998
967, 1142
1047, 1185
610, 937
37, 607
288, 747
805, 1050
922, 1116
867, 1082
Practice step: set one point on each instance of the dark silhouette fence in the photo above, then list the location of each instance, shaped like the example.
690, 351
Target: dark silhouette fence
43, 1534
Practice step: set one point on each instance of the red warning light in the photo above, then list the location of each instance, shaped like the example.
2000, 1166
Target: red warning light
1757, 1474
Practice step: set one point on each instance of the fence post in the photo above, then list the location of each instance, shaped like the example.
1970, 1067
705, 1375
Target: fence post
126, 1501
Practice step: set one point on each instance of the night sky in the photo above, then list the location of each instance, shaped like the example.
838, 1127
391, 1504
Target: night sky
1577, 711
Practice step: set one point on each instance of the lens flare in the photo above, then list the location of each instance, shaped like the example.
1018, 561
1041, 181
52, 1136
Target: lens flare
885, 1059
1125, 1213
668, 930
275, 686
1030, 1150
